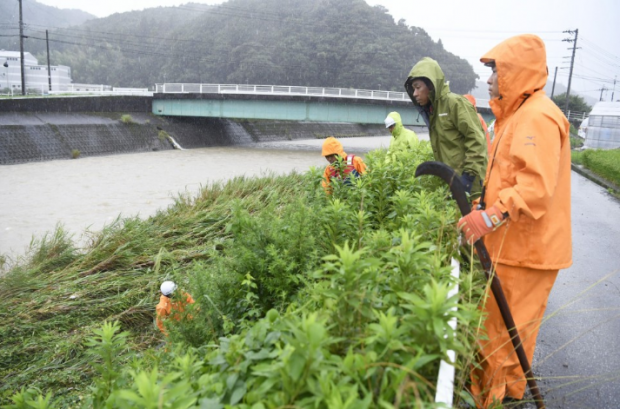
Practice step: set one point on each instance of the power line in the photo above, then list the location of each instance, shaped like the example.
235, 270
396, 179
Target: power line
125, 46
208, 59
591, 70
119, 34
596, 56
590, 78
601, 50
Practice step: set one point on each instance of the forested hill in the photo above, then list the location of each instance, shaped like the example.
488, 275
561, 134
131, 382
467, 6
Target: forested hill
37, 17
340, 43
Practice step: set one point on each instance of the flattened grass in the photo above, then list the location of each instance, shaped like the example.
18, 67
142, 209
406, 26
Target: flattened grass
56, 295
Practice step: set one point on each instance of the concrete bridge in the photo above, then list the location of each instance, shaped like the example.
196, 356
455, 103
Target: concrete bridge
286, 103
193, 115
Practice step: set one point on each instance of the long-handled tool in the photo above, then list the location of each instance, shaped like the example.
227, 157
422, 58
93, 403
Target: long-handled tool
458, 193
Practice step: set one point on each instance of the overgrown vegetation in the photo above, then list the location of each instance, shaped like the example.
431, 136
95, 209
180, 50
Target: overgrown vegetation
302, 300
605, 163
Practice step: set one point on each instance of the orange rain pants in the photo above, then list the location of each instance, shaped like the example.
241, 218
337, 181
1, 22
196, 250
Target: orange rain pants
527, 291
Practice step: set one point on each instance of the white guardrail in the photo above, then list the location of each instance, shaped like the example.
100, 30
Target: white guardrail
184, 88
89, 89
78, 90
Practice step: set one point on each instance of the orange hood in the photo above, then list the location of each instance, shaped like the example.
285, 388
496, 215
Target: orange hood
332, 146
471, 99
521, 63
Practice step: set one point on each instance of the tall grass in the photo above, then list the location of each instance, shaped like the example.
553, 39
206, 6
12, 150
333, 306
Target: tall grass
605, 163
360, 277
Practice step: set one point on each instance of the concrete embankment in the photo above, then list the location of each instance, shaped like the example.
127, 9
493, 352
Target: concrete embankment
64, 128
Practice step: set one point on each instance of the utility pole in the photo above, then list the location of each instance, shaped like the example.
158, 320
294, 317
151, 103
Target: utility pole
554, 77
49, 68
572, 63
21, 47
602, 89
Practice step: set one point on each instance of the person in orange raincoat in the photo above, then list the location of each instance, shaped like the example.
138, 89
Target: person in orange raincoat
351, 166
524, 212
471, 99
169, 308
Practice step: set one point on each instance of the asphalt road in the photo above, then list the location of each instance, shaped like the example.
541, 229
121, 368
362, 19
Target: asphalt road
577, 356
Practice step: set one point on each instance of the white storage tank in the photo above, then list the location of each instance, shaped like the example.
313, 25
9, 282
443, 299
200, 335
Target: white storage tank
603, 129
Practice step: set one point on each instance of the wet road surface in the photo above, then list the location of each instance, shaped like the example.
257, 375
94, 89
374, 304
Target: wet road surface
577, 353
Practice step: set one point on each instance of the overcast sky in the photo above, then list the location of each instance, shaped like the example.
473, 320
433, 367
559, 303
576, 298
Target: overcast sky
470, 28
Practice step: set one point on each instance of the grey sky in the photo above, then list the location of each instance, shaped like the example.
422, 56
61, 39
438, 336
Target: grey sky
470, 28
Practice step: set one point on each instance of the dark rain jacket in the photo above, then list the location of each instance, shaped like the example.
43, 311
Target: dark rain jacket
454, 128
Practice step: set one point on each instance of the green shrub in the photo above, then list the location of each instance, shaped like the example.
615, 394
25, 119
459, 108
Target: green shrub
605, 163
573, 130
163, 135
75, 154
577, 157
575, 142
127, 119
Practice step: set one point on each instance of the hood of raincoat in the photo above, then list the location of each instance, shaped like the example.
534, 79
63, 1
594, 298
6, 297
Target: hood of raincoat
471, 99
429, 68
332, 146
521, 63
398, 123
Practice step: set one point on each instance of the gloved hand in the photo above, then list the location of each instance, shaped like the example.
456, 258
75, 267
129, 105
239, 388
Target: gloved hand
480, 222
467, 180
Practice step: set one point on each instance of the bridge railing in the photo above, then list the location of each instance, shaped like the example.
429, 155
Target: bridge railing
187, 88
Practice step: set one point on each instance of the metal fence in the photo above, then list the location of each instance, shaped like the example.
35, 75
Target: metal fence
185, 88
78, 90
575, 116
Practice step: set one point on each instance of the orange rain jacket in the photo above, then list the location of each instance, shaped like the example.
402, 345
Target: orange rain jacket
166, 306
332, 146
471, 99
529, 170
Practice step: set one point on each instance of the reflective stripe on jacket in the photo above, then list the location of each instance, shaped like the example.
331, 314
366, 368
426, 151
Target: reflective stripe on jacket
349, 169
331, 146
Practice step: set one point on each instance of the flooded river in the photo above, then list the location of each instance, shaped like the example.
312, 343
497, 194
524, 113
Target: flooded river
90, 192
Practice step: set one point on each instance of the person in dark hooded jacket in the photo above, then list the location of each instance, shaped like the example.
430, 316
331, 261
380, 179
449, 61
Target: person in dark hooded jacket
454, 128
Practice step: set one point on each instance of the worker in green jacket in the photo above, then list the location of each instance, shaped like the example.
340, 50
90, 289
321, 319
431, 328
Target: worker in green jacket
402, 139
454, 128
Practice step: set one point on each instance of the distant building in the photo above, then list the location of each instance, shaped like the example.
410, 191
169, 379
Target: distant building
36, 75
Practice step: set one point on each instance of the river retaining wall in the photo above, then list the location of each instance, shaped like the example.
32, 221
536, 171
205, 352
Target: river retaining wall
39, 129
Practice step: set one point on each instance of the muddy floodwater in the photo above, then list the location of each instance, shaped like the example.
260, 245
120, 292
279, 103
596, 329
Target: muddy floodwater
88, 193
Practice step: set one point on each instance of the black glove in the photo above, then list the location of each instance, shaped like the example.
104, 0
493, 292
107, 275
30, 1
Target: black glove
467, 180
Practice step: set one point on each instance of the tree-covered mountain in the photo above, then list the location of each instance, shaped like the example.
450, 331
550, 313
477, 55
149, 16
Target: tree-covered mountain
37, 18
340, 43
